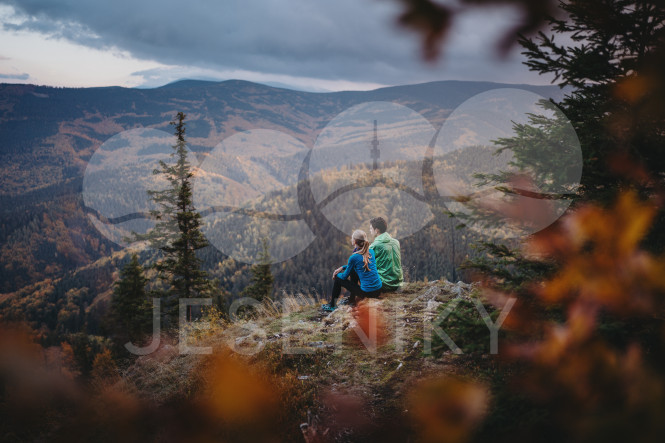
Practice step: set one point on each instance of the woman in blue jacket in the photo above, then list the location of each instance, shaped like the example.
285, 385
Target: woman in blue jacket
359, 276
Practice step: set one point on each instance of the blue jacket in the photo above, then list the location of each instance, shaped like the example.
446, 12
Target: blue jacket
369, 280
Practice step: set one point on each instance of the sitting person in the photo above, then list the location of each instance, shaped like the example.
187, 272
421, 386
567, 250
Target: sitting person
387, 253
359, 276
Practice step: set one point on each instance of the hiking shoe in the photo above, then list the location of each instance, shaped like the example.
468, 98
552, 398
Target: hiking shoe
328, 308
344, 301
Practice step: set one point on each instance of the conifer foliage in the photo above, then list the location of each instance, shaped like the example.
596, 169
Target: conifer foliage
262, 279
177, 233
611, 54
130, 314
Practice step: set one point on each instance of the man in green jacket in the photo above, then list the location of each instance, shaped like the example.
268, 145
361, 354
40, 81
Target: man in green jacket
387, 253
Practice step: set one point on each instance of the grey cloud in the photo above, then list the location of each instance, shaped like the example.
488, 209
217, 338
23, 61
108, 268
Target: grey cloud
354, 40
23, 76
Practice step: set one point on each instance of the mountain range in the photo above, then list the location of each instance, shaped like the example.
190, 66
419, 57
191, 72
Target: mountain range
49, 136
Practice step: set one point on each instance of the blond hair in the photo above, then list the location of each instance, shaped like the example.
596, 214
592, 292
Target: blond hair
360, 238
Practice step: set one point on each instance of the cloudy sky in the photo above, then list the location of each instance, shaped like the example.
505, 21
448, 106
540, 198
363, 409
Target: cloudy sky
303, 44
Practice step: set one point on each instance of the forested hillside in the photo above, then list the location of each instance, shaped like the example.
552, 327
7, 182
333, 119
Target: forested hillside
49, 135
57, 269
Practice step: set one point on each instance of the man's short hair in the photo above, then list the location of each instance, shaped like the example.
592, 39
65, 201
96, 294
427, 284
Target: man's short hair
379, 223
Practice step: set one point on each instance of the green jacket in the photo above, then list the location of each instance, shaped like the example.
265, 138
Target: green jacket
388, 260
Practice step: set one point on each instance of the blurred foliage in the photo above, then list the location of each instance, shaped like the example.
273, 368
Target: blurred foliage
466, 327
581, 355
433, 20
447, 407
235, 401
598, 385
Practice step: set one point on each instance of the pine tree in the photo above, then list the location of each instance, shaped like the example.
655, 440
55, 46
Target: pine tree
131, 311
262, 279
178, 230
611, 59
613, 64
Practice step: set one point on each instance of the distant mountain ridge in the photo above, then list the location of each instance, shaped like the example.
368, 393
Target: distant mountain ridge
49, 134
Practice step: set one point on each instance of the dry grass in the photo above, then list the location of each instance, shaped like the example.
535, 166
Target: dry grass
316, 359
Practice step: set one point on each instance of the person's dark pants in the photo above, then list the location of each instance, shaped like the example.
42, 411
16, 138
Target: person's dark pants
351, 285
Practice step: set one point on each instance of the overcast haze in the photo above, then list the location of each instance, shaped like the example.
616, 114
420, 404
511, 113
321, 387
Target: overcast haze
302, 44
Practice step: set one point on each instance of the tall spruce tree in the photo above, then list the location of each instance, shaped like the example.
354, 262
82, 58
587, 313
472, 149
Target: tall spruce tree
177, 232
131, 311
262, 280
611, 56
